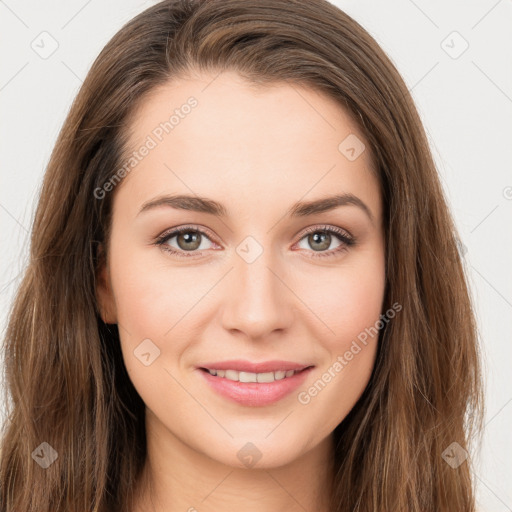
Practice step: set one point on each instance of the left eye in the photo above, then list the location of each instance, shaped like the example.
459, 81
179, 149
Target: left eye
320, 240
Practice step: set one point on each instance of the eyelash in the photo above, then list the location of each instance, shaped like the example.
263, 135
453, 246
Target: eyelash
346, 240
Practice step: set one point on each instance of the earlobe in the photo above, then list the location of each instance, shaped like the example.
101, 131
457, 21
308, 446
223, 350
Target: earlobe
104, 294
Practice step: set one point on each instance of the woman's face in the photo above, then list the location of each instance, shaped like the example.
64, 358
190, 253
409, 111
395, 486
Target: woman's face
246, 287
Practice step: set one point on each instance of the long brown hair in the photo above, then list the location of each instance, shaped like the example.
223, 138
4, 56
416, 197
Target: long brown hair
65, 377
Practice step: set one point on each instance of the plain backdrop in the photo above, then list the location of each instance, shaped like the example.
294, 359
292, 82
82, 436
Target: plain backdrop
455, 58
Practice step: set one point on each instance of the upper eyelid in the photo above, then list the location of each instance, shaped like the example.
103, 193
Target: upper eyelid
172, 232
325, 227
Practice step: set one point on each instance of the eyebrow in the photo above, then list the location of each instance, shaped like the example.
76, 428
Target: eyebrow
299, 209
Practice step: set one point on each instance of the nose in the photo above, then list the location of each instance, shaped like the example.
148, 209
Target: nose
258, 300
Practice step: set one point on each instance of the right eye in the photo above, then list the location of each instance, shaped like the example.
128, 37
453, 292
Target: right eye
187, 240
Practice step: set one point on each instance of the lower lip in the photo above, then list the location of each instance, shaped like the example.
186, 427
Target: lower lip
255, 394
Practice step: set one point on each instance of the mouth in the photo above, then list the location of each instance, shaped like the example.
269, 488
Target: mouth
254, 388
263, 377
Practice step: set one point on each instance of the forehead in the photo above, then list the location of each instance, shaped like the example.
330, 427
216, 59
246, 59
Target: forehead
221, 136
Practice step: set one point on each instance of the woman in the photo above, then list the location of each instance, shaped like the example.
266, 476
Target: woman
244, 288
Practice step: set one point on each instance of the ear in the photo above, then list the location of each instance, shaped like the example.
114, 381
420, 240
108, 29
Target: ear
104, 294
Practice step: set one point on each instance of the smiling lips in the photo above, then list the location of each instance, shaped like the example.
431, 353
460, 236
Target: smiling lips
252, 377
254, 384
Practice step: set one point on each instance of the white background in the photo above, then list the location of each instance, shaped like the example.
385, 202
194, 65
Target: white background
465, 103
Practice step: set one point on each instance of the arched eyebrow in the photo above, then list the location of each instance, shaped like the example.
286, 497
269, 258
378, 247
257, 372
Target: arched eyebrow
325, 204
299, 209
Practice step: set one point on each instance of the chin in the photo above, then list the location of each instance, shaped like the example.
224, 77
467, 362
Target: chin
259, 453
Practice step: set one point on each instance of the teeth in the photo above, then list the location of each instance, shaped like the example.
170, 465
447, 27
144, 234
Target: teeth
247, 377
252, 377
231, 375
263, 377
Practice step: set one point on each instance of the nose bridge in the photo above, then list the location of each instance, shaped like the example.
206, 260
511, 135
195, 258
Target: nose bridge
259, 301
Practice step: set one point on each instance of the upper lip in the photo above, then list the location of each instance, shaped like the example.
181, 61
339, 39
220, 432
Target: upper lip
248, 366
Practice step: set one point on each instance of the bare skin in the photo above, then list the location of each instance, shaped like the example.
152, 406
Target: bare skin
258, 152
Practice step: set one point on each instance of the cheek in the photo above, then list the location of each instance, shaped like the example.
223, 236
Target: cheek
351, 310
350, 305
347, 300
151, 297
356, 305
